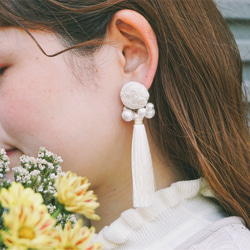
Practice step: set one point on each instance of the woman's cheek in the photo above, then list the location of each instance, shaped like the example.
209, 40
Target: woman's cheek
18, 109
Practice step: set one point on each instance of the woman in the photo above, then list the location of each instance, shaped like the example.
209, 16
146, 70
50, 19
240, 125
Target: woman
63, 65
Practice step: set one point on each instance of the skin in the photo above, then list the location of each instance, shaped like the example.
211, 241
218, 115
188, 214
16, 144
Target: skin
70, 104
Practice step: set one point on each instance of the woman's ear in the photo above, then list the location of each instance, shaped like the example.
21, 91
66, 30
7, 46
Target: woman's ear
137, 46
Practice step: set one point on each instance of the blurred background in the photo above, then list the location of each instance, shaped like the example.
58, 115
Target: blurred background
237, 15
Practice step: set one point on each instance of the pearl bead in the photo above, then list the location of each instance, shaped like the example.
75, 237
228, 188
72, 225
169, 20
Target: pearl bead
150, 106
150, 114
142, 112
127, 115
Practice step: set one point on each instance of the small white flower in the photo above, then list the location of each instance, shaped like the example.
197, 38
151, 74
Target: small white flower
41, 154
51, 208
52, 176
59, 217
8, 181
50, 166
18, 178
41, 167
5, 158
40, 188
27, 177
72, 218
2, 151
35, 172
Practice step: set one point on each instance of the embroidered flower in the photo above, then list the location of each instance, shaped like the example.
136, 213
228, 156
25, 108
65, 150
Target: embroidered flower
28, 227
72, 191
17, 194
76, 238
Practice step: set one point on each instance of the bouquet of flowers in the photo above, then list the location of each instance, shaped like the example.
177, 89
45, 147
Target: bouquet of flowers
37, 210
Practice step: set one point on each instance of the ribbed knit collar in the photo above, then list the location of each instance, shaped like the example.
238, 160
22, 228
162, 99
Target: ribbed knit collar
132, 219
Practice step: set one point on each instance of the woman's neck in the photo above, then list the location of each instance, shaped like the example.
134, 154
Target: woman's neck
116, 197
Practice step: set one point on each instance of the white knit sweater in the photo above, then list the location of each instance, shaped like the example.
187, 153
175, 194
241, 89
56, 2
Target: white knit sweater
181, 217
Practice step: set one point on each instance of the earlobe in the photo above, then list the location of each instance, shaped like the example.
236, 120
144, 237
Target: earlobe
137, 44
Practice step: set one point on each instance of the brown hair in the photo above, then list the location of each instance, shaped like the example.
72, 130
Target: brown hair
200, 123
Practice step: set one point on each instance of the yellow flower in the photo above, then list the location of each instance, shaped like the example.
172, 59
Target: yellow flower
72, 192
28, 227
76, 238
17, 194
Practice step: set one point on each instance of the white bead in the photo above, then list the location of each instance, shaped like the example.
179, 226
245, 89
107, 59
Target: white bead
127, 115
142, 112
150, 114
150, 106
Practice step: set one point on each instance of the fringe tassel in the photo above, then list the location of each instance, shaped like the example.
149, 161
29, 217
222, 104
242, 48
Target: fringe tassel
142, 168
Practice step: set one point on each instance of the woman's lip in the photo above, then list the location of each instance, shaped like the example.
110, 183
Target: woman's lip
9, 152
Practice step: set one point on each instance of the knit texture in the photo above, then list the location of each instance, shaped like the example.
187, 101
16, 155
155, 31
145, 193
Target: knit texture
178, 213
228, 233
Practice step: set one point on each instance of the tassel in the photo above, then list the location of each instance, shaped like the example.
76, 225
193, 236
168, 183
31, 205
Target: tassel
142, 168
135, 99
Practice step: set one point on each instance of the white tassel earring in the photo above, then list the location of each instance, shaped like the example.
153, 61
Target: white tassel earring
135, 97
